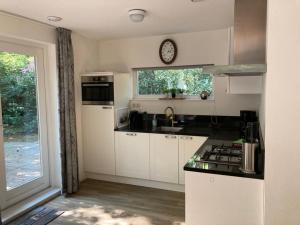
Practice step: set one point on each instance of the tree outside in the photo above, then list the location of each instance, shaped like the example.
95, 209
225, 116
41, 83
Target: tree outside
192, 80
18, 94
20, 119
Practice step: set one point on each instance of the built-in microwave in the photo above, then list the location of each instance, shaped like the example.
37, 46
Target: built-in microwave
97, 90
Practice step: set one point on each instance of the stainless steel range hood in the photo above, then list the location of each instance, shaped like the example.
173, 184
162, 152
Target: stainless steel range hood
249, 40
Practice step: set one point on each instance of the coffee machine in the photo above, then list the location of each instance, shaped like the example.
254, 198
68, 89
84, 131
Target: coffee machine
135, 120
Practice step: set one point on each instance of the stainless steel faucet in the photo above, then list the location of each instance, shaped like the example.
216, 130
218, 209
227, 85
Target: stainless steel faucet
170, 114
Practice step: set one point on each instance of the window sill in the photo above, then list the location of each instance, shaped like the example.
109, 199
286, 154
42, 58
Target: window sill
171, 99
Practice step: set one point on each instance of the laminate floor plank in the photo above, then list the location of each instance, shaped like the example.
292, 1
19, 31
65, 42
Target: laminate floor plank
107, 203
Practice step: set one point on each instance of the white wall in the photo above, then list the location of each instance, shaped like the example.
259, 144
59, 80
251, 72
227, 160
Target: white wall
262, 106
209, 47
282, 107
17, 27
85, 60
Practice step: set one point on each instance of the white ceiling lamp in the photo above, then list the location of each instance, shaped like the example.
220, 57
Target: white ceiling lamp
54, 18
137, 15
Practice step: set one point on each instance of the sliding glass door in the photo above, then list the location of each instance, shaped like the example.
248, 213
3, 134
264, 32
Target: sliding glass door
23, 124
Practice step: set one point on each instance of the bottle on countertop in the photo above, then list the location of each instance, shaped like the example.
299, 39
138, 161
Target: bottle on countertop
145, 120
154, 122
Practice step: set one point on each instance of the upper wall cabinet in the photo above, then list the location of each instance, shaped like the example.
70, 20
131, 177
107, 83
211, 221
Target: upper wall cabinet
245, 85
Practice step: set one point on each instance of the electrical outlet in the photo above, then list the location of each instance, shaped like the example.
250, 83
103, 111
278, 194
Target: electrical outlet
135, 105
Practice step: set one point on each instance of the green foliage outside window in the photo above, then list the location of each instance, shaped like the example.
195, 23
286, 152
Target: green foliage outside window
157, 81
18, 94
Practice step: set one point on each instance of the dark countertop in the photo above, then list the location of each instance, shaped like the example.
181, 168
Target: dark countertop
215, 133
193, 165
222, 133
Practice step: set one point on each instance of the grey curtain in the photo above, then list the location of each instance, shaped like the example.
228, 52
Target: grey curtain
68, 138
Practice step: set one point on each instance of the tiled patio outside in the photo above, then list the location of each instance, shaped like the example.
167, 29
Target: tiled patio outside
22, 162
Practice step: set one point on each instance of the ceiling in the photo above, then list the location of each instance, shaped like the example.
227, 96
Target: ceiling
108, 19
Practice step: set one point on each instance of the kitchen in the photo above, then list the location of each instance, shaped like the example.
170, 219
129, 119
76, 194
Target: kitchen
147, 124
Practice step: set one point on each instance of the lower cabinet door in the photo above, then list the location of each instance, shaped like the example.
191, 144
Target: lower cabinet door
212, 199
188, 145
98, 139
164, 158
132, 154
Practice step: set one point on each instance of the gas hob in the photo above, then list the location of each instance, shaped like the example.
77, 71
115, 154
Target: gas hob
222, 155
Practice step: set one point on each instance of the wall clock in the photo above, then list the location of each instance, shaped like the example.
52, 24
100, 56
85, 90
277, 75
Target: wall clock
168, 51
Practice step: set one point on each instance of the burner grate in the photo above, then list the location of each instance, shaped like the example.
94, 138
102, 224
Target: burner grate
223, 155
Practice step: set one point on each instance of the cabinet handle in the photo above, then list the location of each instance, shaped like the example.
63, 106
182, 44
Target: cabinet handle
106, 107
186, 138
131, 134
171, 136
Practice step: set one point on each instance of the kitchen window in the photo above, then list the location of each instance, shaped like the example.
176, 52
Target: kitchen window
187, 82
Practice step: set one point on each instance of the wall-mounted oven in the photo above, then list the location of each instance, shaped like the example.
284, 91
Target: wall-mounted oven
97, 90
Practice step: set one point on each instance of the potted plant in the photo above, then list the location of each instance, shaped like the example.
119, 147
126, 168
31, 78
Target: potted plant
173, 92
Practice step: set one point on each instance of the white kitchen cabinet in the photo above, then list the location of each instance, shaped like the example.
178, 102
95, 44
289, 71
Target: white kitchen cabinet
188, 145
164, 158
245, 85
212, 199
98, 139
132, 154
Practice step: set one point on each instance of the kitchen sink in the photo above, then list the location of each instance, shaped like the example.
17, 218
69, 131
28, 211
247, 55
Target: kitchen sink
170, 129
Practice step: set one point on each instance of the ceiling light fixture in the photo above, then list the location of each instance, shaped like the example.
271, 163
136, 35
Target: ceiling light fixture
137, 15
54, 18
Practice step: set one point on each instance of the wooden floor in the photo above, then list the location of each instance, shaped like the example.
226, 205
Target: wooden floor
106, 203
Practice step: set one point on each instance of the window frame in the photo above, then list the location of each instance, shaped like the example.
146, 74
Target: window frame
136, 96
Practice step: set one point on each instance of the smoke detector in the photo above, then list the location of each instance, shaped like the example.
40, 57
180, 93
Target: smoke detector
137, 15
54, 18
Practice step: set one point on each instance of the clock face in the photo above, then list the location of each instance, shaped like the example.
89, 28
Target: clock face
168, 51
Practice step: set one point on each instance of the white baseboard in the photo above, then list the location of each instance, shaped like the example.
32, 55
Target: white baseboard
138, 182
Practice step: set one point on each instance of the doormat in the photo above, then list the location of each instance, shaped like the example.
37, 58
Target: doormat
39, 216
